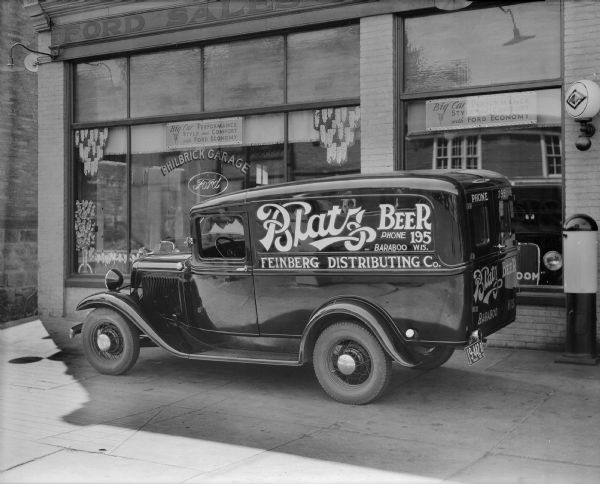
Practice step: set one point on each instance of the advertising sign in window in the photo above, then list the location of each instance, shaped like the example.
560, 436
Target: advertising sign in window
519, 108
210, 132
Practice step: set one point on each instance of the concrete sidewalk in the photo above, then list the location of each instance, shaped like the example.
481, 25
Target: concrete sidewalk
516, 416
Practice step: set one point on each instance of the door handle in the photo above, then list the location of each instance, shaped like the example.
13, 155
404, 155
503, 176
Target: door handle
241, 269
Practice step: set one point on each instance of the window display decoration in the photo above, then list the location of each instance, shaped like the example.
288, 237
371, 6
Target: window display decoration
338, 130
111, 257
90, 145
85, 232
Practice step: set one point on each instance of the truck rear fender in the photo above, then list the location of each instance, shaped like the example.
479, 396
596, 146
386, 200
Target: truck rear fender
371, 316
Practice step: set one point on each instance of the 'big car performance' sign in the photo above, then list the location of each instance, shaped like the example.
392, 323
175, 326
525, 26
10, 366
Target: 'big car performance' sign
305, 235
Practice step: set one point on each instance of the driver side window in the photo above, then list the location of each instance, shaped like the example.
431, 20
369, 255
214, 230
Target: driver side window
222, 237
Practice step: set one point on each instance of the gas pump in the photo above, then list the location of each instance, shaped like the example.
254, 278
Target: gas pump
580, 251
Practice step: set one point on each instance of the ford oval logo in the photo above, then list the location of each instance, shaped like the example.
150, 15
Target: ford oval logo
208, 184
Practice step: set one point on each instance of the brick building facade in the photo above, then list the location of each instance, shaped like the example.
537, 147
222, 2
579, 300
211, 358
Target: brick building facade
103, 32
18, 168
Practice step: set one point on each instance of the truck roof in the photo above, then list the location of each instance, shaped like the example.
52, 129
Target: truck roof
452, 181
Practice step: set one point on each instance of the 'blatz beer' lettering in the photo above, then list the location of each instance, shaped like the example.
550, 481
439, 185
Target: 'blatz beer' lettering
283, 224
289, 224
487, 284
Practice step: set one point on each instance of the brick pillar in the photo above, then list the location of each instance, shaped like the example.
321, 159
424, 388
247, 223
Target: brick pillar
51, 185
377, 93
18, 168
582, 61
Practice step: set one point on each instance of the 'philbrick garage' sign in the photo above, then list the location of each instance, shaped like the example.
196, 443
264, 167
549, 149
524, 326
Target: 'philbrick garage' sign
180, 17
296, 235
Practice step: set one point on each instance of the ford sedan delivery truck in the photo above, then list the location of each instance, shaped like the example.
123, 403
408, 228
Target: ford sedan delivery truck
348, 273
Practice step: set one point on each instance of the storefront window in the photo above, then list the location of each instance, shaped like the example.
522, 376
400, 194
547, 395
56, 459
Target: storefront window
166, 83
101, 90
324, 142
100, 208
323, 64
514, 43
514, 131
134, 194
244, 74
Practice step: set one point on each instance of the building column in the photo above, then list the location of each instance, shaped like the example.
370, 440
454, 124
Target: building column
582, 61
52, 213
377, 101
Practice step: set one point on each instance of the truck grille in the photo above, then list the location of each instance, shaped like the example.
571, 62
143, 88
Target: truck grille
161, 294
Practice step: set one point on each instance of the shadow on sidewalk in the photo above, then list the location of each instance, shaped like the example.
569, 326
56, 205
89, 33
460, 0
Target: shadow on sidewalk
429, 425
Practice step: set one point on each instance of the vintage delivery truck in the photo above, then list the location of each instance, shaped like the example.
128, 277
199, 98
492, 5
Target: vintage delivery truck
347, 273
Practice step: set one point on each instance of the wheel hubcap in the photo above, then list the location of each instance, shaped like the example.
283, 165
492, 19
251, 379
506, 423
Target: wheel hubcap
346, 364
103, 342
108, 341
350, 362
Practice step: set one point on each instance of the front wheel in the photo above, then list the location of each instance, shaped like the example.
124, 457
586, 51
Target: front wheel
110, 342
350, 364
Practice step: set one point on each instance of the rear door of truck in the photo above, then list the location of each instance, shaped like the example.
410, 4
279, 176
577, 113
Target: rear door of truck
494, 254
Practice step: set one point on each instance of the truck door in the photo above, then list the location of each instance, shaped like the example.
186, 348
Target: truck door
222, 274
494, 254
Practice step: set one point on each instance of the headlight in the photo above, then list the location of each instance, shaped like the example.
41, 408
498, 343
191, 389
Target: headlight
113, 280
553, 261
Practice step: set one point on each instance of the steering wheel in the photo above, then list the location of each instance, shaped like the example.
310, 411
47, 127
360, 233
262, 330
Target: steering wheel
225, 240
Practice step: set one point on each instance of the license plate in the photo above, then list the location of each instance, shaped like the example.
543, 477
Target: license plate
474, 352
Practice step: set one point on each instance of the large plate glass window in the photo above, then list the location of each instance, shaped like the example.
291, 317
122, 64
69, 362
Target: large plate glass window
463, 111
174, 147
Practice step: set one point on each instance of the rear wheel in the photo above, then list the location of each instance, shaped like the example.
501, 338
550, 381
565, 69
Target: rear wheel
110, 342
433, 357
350, 364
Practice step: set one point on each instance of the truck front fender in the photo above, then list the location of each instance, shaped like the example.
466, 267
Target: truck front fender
127, 307
373, 317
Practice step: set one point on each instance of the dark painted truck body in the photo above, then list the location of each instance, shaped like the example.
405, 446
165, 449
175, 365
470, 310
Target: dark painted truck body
349, 273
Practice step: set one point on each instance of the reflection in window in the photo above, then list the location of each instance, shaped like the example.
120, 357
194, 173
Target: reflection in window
480, 226
324, 142
464, 153
100, 212
499, 132
101, 90
525, 40
169, 176
244, 74
222, 237
552, 150
323, 64
166, 83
